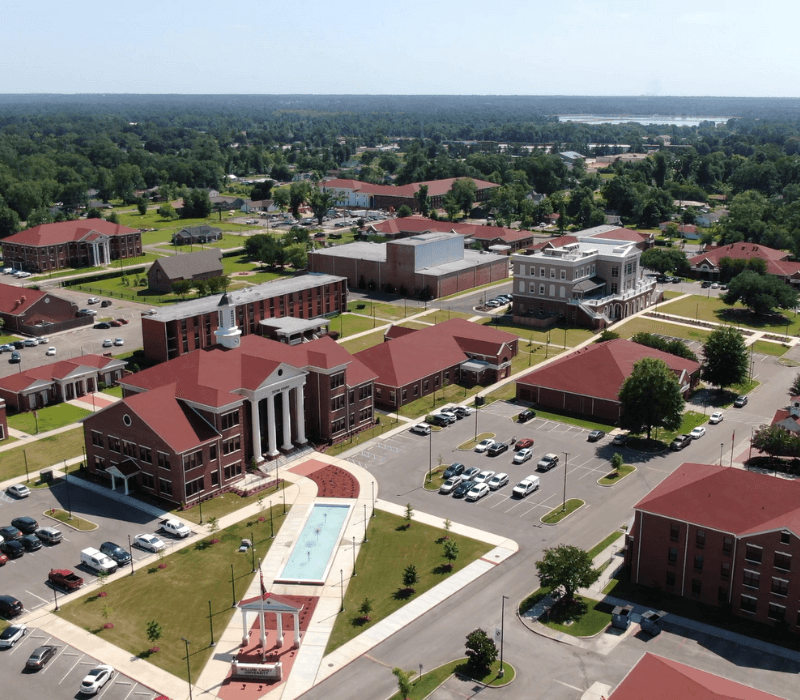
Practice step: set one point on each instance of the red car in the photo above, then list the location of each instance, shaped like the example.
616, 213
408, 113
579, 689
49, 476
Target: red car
3, 559
123, 321
115, 324
523, 443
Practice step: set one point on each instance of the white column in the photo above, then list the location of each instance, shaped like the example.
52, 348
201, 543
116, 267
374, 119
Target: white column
126, 487
113, 483
280, 629
245, 635
296, 617
271, 441
262, 630
255, 428
287, 421
300, 415
107, 247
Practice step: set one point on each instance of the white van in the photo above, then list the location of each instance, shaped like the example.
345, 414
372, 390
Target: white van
97, 561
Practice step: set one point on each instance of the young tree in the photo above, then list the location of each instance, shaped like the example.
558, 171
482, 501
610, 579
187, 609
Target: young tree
365, 608
409, 514
448, 525
481, 652
141, 206
410, 577
617, 461
651, 397
153, 631
212, 524
181, 287
404, 681
725, 358
566, 567
451, 551
403, 211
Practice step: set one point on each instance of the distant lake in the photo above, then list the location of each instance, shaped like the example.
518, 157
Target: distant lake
639, 119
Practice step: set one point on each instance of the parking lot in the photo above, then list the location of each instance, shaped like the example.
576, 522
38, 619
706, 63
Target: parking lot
62, 675
25, 578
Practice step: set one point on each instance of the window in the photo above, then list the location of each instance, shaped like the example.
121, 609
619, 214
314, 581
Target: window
337, 403
113, 444
163, 460
725, 570
214, 478
753, 554
145, 454
337, 426
672, 557
696, 586
722, 594
776, 612
562, 292
563, 274
165, 487
674, 532
780, 586
541, 290
786, 537
366, 391
231, 445
233, 470
670, 578
727, 545
700, 538
129, 448
698, 562
97, 439
194, 486
783, 561
212, 452
100, 464
748, 604
148, 481
230, 419
337, 380
552, 273
192, 460
751, 578
541, 272
614, 288
615, 272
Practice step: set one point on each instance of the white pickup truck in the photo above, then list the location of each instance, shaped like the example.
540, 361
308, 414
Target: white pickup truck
175, 527
98, 562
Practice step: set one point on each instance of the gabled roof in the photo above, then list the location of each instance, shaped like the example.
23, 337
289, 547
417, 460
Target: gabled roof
726, 499
599, 370
17, 300
186, 265
657, 678
45, 374
436, 188
65, 231
775, 259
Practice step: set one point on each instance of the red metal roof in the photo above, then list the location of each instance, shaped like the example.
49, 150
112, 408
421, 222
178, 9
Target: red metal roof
436, 188
17, 300
657, 678
599, 370
420, 224
624, 234
56, 370
726, 499
775, 259
65, 231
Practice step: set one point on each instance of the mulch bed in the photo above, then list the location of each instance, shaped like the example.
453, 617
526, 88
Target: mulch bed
335, 482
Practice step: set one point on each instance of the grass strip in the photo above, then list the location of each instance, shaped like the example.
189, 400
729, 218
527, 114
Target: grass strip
71, 520
614, 477
422, 687
47, 418
470, 444
558, 514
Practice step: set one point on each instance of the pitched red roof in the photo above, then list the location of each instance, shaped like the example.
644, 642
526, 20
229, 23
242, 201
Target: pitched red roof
599, 370
657, 678
56, 370
775, 259
17, 300
421, 224
624, 234
66, 231
555, 242
409, 357
726, 499
435, 187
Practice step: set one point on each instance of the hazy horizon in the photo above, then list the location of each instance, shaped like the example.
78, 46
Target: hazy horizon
572, 48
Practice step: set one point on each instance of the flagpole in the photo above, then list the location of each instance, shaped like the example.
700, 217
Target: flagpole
733, 435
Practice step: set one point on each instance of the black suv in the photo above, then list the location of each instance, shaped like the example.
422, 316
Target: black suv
25, 524
497, 449
31, 543
680, 442
455, 469
9, 606
9, 532
461, 490
13, 549
525, 416
117, 553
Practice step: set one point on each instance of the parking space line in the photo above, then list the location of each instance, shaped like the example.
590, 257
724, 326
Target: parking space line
80, 656
108, 685
50, 664
37, 596
505, 498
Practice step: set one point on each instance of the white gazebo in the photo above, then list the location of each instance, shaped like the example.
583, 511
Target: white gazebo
266, 604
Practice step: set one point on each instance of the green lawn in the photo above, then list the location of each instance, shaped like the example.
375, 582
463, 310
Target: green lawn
436, 478
614, 477
558, 513
453, 393
691, 420
235, 265
765, 347
364, 342
574, 336
441, 315
67, 272
227, 503
414, 324
423, 687
192, 576
49, 418
668, 294
380, 565
539, 353
228, 240
349, 324
641, 324
74, 521
113, 391
387, 312
43, 453
607, 542
712, 309
587, 617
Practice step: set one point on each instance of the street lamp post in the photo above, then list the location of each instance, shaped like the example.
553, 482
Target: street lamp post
430, 454
341, 588
566, 464
69, 495
130, 551
200, 503
354, 554
365, 520
253, 552
501, 672
211, 625
271, 526
233, 588
721, 446
188, 667
373, 499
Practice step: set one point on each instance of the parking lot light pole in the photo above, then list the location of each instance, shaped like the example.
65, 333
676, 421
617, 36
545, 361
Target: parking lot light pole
501, 672
188, 667
211, 625
476, 418
566, 464
430, 454
69, 495
253, 551
271, 526
721, 447
233, 588
200, 503
55, 597
130, 551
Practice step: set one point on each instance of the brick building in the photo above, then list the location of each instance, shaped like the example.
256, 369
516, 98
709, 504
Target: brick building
415, 363
722, 537
706, 265
26, 310
190, 325
60, 381
192, 267
587, 382
82, 243
432, 264
189, 428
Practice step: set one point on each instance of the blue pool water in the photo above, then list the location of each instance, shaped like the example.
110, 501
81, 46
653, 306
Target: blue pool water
313, 552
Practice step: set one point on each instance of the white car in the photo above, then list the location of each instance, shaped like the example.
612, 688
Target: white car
11, 635
92, 300
19, 490
108, 343
483, 477
468, 410
96, 679
697, 433
421, 429
450, 484
523, 455
119, 341
149, 542
528, 485
477, 492
50, 351
498, 481
175, 527
483, 445
716, 418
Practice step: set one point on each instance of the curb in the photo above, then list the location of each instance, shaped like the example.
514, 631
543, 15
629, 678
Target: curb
608, 486
564, 518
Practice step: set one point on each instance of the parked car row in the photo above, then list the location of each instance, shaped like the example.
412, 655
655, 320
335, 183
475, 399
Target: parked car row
21, 344
499, 300
472, 483
19, 274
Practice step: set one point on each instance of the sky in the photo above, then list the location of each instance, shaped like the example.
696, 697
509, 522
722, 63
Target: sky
497, 47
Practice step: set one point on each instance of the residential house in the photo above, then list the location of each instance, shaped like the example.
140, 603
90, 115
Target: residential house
197, 234
192, 267
706, 265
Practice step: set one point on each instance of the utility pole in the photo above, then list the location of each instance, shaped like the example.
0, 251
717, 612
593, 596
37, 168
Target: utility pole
566, 464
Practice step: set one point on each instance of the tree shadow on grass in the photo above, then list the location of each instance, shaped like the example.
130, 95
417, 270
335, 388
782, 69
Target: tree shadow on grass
749, 318
443, 569
403, 593
359, 621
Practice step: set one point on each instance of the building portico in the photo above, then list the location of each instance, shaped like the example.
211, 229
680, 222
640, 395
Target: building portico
284, 415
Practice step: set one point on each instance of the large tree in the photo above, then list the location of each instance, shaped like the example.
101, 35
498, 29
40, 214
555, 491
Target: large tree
651, 398
725, 356
760, 293
481, 652
320, 202
566, 567
664, 260
465, 193
774, 440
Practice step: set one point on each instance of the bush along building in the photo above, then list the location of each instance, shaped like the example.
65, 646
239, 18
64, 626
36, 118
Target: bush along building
187, 429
